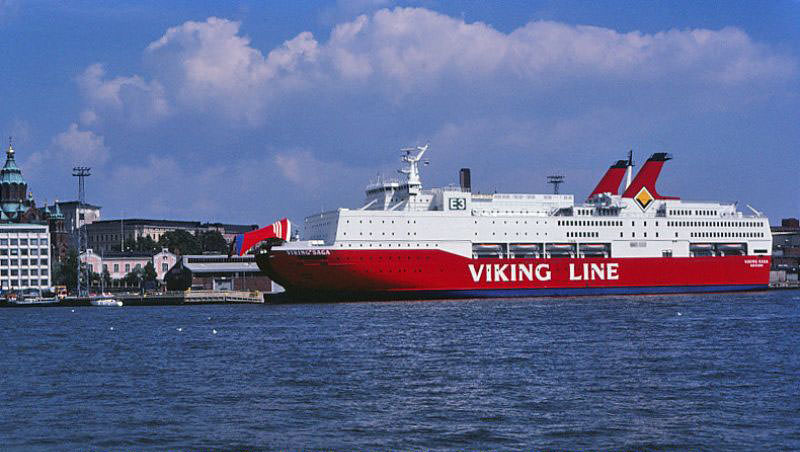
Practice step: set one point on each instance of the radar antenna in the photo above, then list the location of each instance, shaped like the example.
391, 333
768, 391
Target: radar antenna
556, 180
409, 156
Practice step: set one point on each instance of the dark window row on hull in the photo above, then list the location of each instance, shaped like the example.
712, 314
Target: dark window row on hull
539, 250
717, 249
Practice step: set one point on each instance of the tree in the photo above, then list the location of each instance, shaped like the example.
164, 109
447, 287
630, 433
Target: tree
66, 273
133, 278
180, 241
106, 277
213, 241
149, 272
142, 243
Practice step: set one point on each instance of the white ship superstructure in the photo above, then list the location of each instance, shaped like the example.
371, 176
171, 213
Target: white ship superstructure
398, 215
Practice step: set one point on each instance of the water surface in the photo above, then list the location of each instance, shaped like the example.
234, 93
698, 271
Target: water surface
702, 372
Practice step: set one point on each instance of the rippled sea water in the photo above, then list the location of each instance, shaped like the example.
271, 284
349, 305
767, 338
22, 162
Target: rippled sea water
703, 372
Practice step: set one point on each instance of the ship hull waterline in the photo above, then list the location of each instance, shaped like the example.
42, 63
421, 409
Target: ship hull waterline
354, 275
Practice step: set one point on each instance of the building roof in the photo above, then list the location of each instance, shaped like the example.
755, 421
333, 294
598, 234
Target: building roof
219, 263
228, 228
233, 228
6, 226
10, 173
149, 222
122, 255
75, 203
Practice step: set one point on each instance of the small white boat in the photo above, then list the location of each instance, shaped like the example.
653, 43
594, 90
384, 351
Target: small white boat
105, 302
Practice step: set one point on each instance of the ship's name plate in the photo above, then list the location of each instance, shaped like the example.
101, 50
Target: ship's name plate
542, 272
757, 263
308, 252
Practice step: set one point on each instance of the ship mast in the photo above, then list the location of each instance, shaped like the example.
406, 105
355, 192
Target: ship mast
412, 170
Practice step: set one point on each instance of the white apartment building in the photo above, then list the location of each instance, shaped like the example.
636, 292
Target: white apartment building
24, 256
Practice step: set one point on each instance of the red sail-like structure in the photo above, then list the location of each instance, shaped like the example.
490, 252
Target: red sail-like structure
244, 242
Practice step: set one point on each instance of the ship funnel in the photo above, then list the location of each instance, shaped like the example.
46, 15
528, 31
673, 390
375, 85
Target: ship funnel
610, 181
465, 179
647, 176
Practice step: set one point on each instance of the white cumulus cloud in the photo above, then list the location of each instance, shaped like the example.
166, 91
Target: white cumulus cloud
136, 99
80, 147
210, 67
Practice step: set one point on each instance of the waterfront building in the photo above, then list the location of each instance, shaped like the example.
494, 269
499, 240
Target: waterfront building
217, 272
110, 235
25, 232
77, 214
119, 264
786, 251
24, 256
59, 237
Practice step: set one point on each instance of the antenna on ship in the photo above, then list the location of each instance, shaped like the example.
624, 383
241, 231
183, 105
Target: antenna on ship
556, 180
630, 169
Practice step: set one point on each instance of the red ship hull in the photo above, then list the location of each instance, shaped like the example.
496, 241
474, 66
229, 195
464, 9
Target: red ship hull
412, 274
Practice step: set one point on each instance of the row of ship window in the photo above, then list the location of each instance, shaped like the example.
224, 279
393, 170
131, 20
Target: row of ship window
727, 234
389, 245
24, 242
382, 233
593, 223
696, 212
18, 262
583, 234
717, 224
382, 221
23, 272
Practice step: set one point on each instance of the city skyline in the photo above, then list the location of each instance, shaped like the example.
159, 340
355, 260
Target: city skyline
246, 113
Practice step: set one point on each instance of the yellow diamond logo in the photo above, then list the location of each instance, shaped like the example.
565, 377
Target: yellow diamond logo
643, 198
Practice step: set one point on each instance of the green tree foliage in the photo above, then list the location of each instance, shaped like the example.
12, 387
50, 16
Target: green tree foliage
142, 244
106, 277
213, 242
66, 273
180, 242
149, 272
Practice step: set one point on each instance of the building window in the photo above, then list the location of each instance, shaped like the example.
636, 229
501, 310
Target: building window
34, 272
23, 251
4, 272
127, 268
105, 267
13, 241
14, 272
45, 283
44, 273
25, 261
34, 251
42, 241
34, 241
43, 261
3, 241
23, 272
14, 251
116, 268
164, 266
23, 241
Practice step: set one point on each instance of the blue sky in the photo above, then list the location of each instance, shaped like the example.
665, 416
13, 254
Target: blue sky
250, 111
